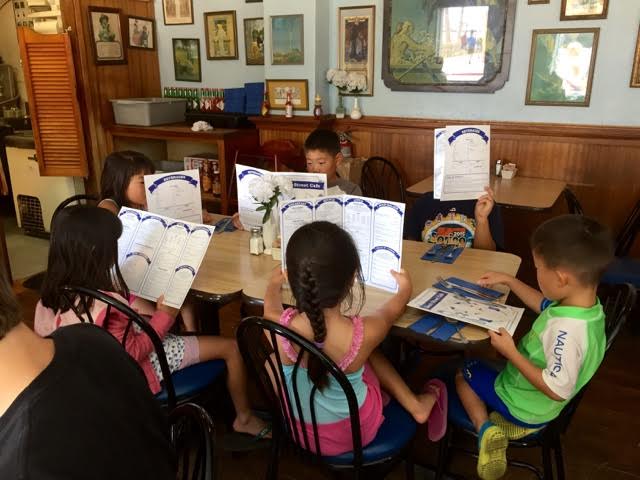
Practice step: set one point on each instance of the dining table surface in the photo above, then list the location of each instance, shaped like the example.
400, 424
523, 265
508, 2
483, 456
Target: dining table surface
523, 192
229, 271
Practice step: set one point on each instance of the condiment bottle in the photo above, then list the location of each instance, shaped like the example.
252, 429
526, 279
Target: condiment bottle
256, 246
288, 107
317, 110
498, 167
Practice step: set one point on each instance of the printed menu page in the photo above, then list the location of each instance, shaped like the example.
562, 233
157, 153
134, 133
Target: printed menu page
375, 225
465, 172
158, 255
439, 147
304, 185
175, 195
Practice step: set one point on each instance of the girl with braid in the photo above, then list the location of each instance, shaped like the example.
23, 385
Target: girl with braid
323, 268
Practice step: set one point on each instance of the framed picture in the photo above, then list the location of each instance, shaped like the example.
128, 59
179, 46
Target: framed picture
221, 33
583, 9
287, 40
561, 66
278, 89
253, 1
356, 45
186, 59
635, 72
107, 35
177, 12
142, 33
538, 2
254, 41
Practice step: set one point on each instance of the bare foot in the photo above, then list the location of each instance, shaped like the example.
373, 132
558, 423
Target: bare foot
252, 425
425, 402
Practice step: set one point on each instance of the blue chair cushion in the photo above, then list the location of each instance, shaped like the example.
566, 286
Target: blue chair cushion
623, 270
194, 379
395, 433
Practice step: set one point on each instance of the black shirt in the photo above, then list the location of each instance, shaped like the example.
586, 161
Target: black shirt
89, 414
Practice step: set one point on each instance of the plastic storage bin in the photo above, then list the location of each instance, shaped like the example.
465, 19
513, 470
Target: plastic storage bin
149, 111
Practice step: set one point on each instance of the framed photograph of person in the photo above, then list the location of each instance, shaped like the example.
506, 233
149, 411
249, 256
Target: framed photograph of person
186, 59
278, 89
561, 67
107, 34
287, 40
254, 41
221, 33
635, 72
356, 46
142, 33
177, 12
584, 9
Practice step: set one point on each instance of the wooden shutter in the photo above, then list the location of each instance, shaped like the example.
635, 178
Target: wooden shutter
50, 78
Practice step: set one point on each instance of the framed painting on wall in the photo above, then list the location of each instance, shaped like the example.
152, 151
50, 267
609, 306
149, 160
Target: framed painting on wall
142, 33
107, 35
186, 59
561, 66
356, 45
538, 2
177, 12
221, 33
584, 9
287, 40
254, 41
635, 72
278, 89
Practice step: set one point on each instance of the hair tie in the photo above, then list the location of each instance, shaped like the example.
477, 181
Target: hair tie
319, 345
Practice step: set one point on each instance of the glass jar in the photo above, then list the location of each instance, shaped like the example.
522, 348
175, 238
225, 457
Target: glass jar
255, 242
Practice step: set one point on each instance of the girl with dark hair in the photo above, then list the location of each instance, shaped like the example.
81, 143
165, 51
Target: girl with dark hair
322, 268
84, 252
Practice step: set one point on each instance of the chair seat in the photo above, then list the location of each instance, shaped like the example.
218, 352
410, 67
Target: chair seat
395, 433
194, 379
623, 270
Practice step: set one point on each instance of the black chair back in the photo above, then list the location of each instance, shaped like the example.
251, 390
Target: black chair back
381, 179
258, 340
192, 434
79, 300
78, 199
627, 235
573, 204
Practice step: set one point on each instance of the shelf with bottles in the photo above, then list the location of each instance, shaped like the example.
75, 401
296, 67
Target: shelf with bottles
204, 100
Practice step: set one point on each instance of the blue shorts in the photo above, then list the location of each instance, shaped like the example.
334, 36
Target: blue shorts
481, 377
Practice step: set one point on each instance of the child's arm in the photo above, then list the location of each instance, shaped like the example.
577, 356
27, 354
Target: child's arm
378, 324
483, 239
531, 297
273, 296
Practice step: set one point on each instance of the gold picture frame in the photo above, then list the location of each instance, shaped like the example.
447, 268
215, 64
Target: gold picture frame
635, 72
356, 45
576, 10
108, 34
177, 12
221, 34
277, 90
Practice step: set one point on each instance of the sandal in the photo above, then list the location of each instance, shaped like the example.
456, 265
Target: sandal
243, 442
437, 421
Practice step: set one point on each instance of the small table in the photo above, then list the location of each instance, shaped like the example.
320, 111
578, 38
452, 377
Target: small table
522, 192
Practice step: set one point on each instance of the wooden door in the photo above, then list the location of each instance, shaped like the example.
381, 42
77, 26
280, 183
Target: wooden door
50, 78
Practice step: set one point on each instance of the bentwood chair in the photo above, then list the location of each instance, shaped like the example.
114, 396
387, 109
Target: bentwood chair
193, 436
256, 338
625, 268
180, 387
573, 204
617, 301
381, 179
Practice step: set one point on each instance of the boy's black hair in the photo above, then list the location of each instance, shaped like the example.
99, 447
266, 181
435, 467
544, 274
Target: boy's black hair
580, 244
323, 140
9, 309
117, 171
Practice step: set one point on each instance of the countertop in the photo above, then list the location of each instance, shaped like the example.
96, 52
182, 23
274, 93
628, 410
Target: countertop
20, 139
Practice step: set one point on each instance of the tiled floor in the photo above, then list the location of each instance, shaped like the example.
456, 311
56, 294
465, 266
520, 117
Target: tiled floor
27, 255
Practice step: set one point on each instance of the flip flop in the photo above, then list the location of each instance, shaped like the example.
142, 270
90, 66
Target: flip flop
243, 442
492, 458
437, 421
511, 430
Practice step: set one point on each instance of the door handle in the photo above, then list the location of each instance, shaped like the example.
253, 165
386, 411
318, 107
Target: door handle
33, 158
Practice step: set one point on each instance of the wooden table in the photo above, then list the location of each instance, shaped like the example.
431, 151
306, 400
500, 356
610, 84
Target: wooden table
523, 192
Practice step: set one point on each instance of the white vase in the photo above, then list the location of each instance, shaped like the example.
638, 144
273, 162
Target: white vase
356, 114
270, 231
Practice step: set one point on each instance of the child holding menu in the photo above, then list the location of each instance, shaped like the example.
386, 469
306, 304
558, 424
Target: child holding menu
558, 356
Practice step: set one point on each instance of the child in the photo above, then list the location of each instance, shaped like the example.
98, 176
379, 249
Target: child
323, 266
463, 223
560, 353
84, 252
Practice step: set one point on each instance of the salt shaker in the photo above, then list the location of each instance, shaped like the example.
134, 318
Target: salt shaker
256, 246
498, 167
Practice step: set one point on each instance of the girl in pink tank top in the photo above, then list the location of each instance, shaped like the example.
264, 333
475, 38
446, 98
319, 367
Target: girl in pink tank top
323, 267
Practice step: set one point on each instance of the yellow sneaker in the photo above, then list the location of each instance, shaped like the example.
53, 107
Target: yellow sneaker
511, 430
492, 459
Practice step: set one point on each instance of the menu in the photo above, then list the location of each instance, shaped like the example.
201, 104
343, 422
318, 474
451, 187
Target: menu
175, 195
158, 255
375, 226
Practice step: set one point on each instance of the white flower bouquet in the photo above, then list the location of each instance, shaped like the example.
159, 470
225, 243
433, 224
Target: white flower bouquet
347, 82
267, 190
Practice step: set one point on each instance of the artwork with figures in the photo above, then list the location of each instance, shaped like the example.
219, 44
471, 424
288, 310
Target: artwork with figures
635, 73
583, 9
141, 33
254, 41
221, 34
442, 45
177, 12
356, 42
186, 59
278, 90
561, 66
107, 35
287, 40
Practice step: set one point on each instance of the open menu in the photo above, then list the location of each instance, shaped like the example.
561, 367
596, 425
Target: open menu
305, 185
158, 255
175, 195
489, 315
375, 225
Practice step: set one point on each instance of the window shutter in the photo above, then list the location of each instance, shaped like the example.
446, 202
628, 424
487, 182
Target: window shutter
50, 78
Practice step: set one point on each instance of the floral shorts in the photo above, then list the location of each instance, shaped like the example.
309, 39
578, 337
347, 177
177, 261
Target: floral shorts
180, 352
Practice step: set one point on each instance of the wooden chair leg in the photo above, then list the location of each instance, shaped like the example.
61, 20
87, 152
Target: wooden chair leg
546, 461
272, 469
443, 454
559, 460
409, 470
